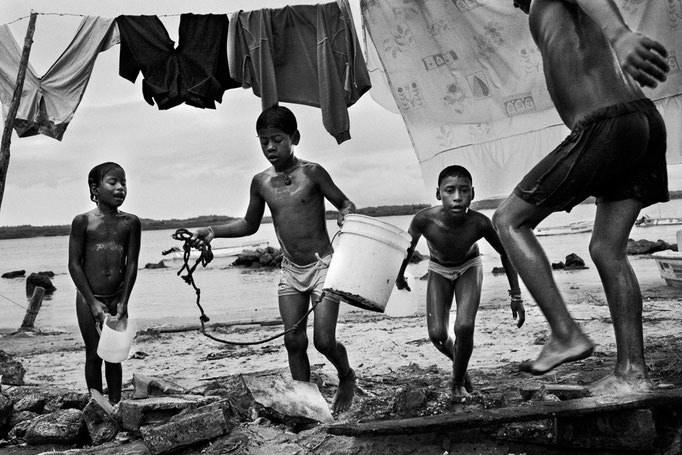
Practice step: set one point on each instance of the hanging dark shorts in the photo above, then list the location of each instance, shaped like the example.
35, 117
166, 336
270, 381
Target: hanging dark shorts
614, 153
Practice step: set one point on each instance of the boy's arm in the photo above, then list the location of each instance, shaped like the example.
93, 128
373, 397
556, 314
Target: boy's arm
415, 232
132, 258
76, 253
333, 194
513, 277
239, 227
639, 56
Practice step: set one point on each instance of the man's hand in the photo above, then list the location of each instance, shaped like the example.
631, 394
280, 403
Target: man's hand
201, 237
401, 283
517, 309
99, 311
642, 58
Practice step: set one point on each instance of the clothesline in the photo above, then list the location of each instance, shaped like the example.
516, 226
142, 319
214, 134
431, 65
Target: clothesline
76, 15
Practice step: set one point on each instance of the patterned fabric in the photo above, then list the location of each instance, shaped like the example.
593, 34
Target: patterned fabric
467, 79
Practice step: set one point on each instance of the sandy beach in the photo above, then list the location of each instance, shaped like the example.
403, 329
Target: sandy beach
390, 355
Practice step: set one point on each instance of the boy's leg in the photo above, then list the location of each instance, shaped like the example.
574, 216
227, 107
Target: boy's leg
439, 294
324, 339
292, 308
613, 223
114, 375
93, 363
514, 220
468, 298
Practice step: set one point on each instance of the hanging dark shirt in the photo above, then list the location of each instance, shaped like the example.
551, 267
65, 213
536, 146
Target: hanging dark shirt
195, 73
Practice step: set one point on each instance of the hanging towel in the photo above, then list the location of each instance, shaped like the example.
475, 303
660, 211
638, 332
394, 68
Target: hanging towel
196, 73
48, 103
304, 54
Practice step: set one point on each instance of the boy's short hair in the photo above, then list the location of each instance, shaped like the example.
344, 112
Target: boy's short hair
97, 173
278, 117
454, 171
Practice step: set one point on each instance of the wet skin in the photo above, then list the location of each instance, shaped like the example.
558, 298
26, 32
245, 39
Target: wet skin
591, 60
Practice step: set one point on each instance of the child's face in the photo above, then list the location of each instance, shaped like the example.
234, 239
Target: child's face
456, 194
277, 146
112, 190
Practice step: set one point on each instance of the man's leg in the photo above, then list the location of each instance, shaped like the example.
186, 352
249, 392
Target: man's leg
468, 298
292, 308
514, 220
324, 339
608, 245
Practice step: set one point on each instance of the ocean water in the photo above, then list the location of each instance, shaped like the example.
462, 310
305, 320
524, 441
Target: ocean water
229, 293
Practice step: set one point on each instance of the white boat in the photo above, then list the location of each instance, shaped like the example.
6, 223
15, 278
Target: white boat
576, 227
220, 252
646, 221
669, 266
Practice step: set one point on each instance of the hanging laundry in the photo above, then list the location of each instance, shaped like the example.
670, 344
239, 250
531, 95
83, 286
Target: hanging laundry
196, 73
48, 103
304, 54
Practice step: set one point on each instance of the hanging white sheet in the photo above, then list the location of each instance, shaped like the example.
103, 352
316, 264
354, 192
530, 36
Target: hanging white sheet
467, 79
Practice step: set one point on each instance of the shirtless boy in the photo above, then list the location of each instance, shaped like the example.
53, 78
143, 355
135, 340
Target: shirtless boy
456, 270
295, 190
593, 64
104, 246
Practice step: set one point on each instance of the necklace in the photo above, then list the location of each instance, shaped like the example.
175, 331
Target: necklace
287, 174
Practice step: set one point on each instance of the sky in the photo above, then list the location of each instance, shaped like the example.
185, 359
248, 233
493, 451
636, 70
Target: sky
182, 162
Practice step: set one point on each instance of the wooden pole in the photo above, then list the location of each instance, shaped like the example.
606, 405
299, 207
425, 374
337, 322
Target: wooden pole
14, 104
33, 308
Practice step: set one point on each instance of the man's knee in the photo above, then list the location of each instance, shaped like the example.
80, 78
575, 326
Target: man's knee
438, 336
324, 343
603, 252
464, 330
296, 341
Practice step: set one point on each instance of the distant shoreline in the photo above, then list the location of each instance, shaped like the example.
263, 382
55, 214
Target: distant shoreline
28, 231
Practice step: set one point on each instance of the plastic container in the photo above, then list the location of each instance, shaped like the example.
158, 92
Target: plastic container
366, 261
115, 339
403, 303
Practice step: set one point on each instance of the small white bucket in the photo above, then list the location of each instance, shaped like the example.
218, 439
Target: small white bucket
115, 339
366, 261
403, 303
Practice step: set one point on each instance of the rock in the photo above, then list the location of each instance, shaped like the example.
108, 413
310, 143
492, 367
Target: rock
6, 409
498, 270
408, 401
65, 426
99, 421
21, 416
574, 262
146, 386
158, 265
39, 279
261, 257
288, 400
14, 274
558, 265
11, 371
18, 431
189, 427
154, 410
31, 402
647, 246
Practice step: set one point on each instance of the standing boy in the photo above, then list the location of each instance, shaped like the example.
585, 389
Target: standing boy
294, 191
616, 152
456, 269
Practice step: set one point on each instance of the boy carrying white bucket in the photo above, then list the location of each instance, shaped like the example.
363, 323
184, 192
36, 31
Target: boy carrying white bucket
456, 270
295, 191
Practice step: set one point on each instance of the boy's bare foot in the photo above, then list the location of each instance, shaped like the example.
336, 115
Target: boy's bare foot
467, 383
344, 394
459, 390
613, 385
554, 353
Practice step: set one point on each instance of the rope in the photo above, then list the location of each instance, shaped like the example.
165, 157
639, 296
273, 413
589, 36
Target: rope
17, 304
205, 257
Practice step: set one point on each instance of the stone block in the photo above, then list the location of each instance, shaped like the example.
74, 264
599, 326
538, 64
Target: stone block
148, 386
11, 371
99, 421
64, 426
136, 413
33, 402
6, 409
21, 416
189, 427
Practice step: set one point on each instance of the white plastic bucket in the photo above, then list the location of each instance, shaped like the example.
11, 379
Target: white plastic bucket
115, 339
403, 303
366, 261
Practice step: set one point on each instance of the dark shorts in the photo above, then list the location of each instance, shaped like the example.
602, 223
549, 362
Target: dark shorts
614, 153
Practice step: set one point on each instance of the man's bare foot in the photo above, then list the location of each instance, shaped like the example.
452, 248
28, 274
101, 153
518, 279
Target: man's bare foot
618, 385
459, 391
554, 353
344, 394
467, 383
